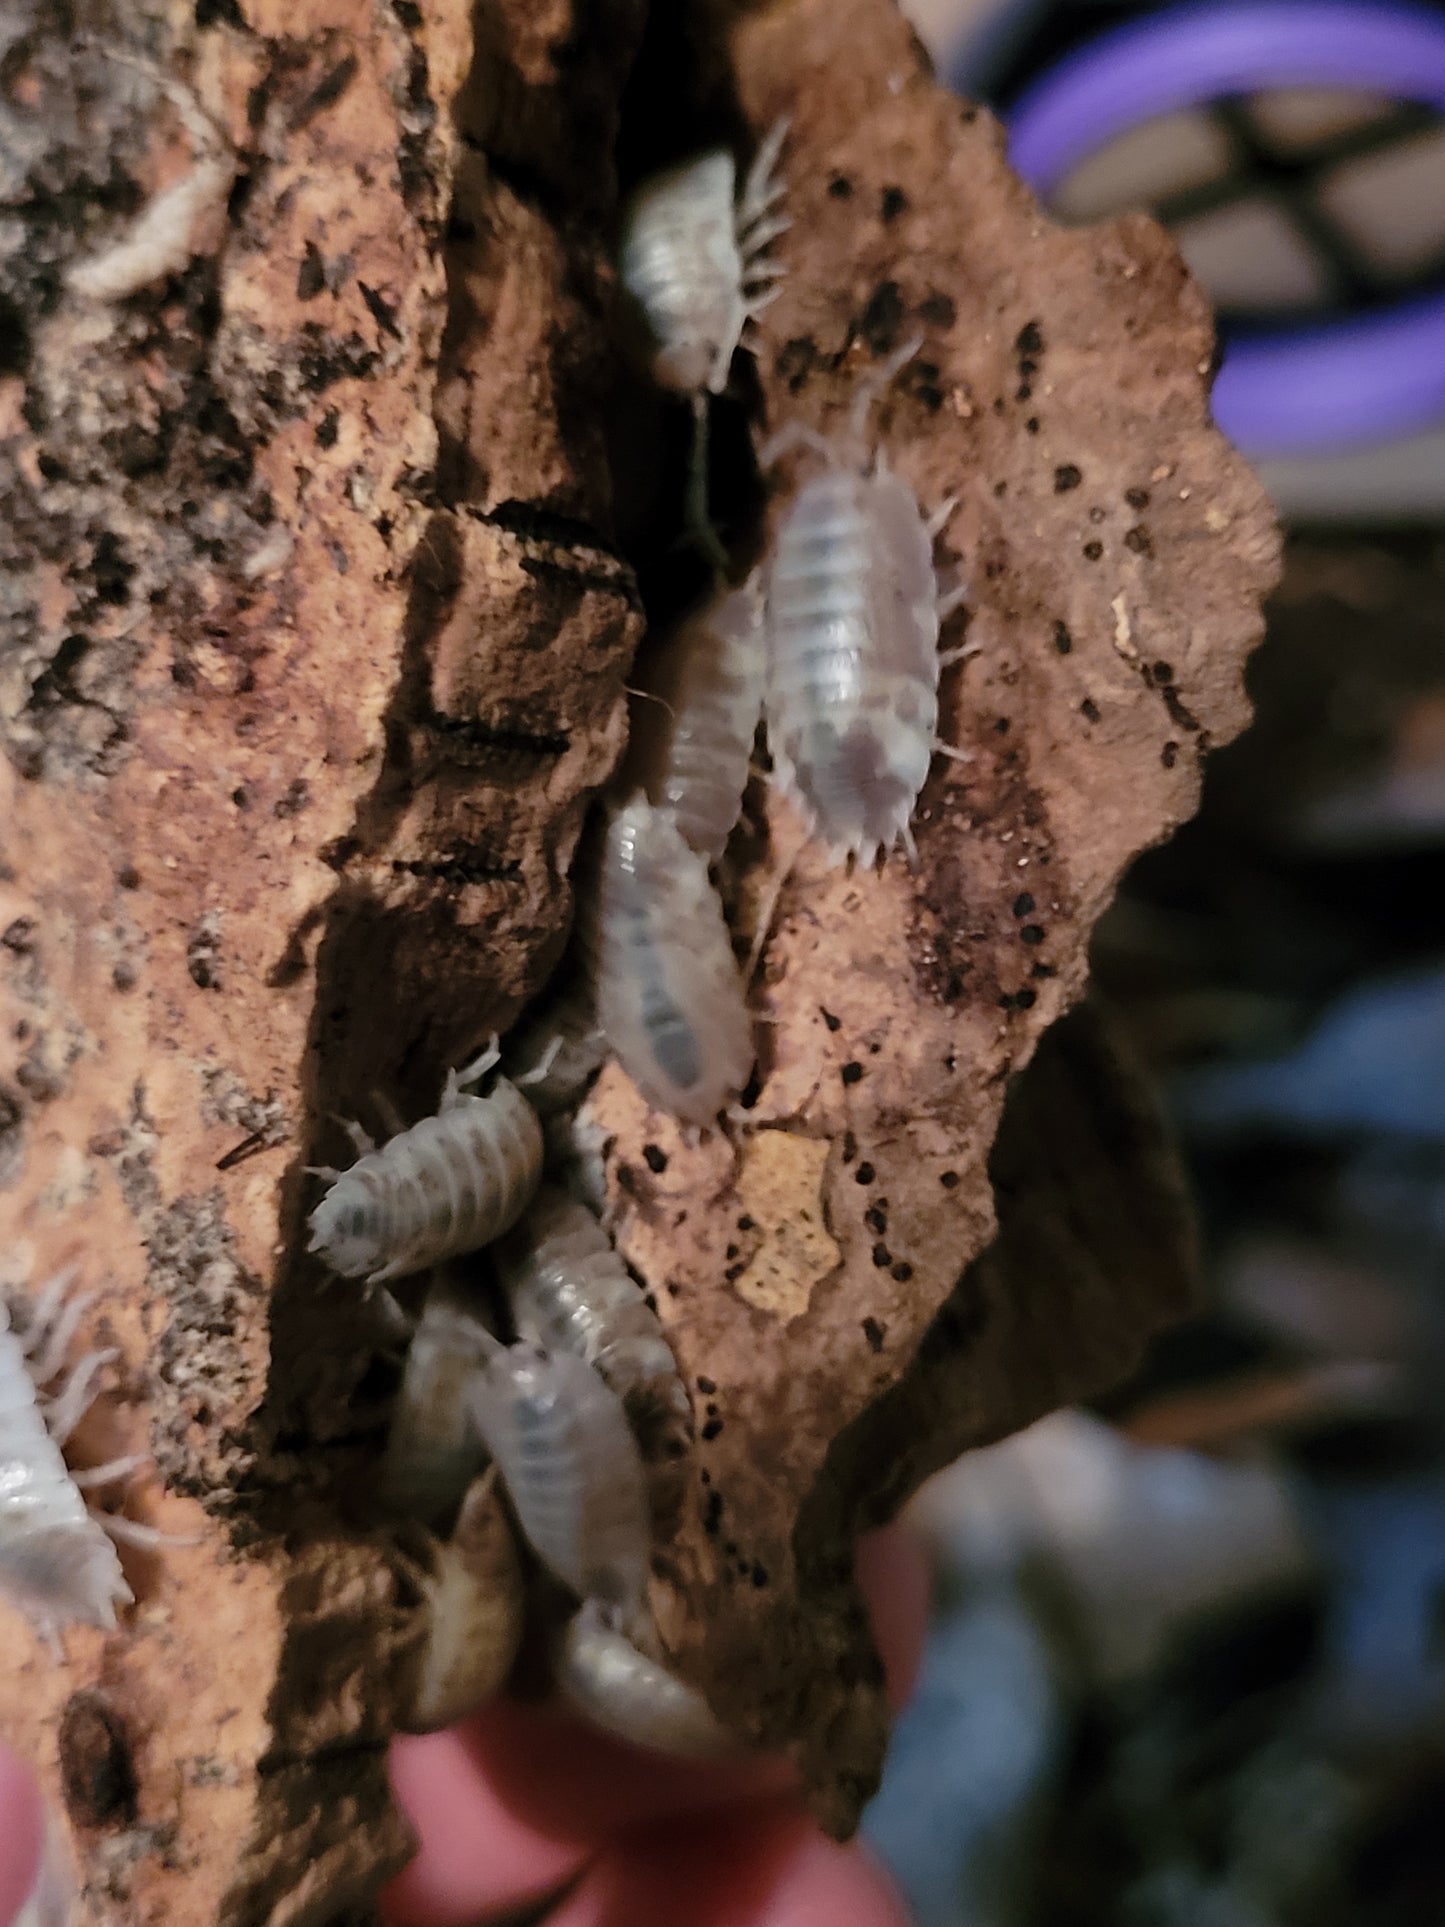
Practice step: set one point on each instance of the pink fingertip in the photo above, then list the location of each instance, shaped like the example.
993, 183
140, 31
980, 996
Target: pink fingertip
763, 1866
477, 1855
22, 1830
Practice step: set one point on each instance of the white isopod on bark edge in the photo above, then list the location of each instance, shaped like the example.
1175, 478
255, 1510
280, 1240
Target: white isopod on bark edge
57, 1562
447, 1185
669, 994
852, 617
694, 259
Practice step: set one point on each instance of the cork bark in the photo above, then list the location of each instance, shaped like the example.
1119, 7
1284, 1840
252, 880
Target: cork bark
1115, 551
316, 624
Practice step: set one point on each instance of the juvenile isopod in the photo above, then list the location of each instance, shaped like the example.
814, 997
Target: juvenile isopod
603, 1676
569, 1290
449, 1184
693, 257
669, 995
571, 1466
432, 1449
57, 1562
694, 260
696, 739
853, 610
474, 1599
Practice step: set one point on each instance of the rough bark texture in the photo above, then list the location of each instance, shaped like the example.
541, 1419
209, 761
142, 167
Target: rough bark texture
315, 636
314, 649
1116, 552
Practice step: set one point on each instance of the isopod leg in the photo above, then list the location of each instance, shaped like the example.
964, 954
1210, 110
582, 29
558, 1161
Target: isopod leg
939, 520
964, 653
53, 1331
362, 1142
872, 385
538, 1072
76, 1395
758, 236
768, 908
46, 1305
473, 1073
763, 186
133, 1532
111, 1473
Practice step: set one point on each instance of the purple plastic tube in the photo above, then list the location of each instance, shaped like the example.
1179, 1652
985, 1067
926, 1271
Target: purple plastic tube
1285, 392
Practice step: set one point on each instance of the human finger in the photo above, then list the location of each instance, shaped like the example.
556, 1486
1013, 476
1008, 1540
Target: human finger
511, 1805
762, 1865
22, 1828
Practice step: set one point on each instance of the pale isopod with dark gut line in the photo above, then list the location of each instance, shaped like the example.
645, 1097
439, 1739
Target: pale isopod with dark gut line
572, 1469
449, 1184
852, 616
669, 994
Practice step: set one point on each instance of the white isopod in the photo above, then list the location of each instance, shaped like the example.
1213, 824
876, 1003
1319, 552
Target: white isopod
603, 1676
693, 257
696, 739
669, 995
571, 1466
432, 1450
569, 1290
449, 1184
57, 1562
852, 615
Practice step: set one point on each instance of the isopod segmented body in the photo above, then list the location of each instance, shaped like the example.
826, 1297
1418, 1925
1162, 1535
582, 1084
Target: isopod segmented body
571, 1466
432, 1449
57, 1563
694, 259
710, 697
449, 1184
669, 995
853, 610
601, 1674
569, 1290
